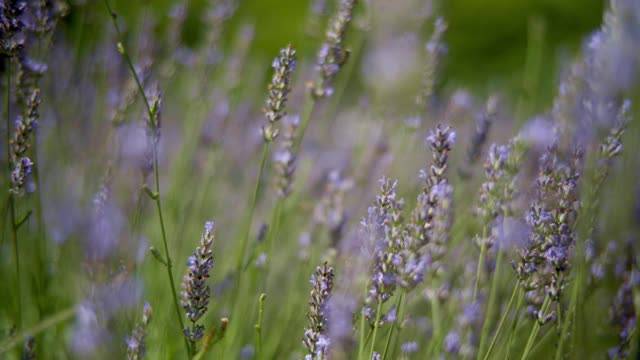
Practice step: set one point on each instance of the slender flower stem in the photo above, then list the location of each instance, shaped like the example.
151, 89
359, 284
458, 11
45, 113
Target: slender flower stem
244, 241
307, 113
361, 343
400, 307
515, 292
491, 302
53, 320
12, 200
514, 326
483, 254
152, 124
437, 324
536, 328
376, 325
263, 296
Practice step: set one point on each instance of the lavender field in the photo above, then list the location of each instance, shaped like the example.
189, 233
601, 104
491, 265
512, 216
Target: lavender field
347, 179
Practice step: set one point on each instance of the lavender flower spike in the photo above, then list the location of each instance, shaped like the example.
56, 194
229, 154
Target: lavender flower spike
195, 291
279, 89
315, 339
136, 346
332, 54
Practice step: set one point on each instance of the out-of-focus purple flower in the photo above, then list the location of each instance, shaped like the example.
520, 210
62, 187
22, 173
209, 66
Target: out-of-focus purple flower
410, 347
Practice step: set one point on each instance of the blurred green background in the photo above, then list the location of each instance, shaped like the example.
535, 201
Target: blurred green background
487, 40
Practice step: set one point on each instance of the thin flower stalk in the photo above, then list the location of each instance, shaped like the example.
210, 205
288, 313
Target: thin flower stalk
330, 59
274, 111
153, 112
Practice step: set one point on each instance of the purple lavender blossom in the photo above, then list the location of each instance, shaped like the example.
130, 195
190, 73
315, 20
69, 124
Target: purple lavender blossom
195, 291
315, 338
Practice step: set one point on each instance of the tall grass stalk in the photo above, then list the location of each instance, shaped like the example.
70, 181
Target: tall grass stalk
259, 354
376, 326
483, 255
34, 330
514, 294
244, 240
536, 328
156, 193
305, 119
491, 302
401, 307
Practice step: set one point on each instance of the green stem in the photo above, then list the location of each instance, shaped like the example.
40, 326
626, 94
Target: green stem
249, 219
483, 254
514, 326
363, 326
263, 296
437, 323
12, 201
502, 320
53, 320
399, 307
376, 325
491, 302
536, 328
152, 125
304, 122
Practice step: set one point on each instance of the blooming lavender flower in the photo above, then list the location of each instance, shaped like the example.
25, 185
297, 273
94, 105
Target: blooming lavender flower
315, 338
387, 212
20, 144
545, 258
452, 342
483, 125
410, 347
434, 51
285, 159
136, 345
279, 89
247, 352
332, 54
420, 226
330, 210
622, 313
11, 26
498, 191
442, 220
195, 291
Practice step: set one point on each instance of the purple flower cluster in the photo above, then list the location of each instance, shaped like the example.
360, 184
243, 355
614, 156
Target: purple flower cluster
195, 291
332, 54
136, 345
279, 89
315, 338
